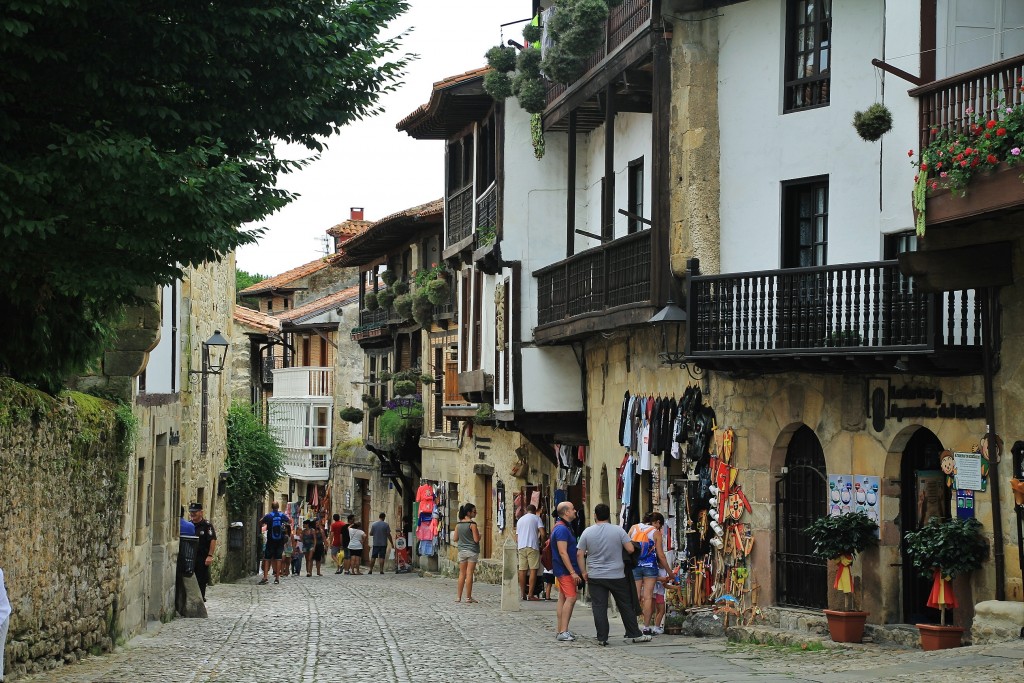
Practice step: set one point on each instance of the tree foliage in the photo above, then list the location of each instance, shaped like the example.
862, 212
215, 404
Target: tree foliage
138, 137
255, 460
836, 535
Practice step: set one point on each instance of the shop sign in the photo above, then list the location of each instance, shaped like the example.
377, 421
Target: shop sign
855, 493
968, 471
938, 409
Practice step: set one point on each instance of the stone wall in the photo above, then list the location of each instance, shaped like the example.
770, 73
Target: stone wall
65, 477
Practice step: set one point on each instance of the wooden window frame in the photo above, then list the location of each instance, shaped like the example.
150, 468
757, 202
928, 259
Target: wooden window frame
791, 246
635, 195
815, 86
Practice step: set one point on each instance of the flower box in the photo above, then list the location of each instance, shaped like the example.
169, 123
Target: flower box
997, 191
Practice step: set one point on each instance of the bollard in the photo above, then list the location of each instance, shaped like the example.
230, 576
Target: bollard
510, 576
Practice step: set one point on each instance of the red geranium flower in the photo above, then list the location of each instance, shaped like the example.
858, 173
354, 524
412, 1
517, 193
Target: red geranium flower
975, 161
1001, 131
991, 124
963, 164
935, 186
992, 159
910, 152
938, 165
969, 151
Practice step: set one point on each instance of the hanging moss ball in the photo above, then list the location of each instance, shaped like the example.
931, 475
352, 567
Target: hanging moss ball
386, 298
370, 301
389, 277
439, 292
501, 58
528, 62
873, 122
498, 85
531, 33
405, 388
350, 414
401, 287
403, 306
532, 95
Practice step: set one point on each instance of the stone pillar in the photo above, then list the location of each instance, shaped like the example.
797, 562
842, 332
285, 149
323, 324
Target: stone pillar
509, 576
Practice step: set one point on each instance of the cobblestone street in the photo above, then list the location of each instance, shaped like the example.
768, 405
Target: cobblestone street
405, 628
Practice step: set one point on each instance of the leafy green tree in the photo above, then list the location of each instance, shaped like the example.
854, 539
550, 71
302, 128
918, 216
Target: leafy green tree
138, 137
255, 460
245, 279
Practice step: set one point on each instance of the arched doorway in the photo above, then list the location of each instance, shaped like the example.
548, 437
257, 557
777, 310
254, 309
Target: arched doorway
920, 476
801, 496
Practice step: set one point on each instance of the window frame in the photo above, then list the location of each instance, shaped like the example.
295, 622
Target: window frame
790, 247
635, 174
822, 79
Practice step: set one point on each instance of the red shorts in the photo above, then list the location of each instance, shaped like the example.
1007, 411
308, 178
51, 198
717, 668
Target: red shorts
566, 586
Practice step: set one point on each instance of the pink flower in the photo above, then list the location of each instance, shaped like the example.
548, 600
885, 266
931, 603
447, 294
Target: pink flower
943, 174
1009, 110
1015, 151
935, 186
969, 110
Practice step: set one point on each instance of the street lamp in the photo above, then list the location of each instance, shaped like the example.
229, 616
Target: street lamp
215, 352
669, 321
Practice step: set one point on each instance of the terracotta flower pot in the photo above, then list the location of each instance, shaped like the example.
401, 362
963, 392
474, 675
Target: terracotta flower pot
846, 627
935, 637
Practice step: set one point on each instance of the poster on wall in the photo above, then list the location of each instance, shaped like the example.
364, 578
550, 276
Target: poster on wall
867, 498
931, 496
840, 494
968, 471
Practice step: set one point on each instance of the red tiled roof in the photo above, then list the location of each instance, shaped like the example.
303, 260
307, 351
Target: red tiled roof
349, 227
429, 121
322, 304
388, 232
287, 277
255, 319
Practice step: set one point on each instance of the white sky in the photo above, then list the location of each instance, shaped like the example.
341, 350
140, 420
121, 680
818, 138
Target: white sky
371, 164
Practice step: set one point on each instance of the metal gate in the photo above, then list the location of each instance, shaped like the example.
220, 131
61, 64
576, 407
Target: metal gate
801, 496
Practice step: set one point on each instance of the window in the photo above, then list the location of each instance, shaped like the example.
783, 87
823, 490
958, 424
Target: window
488, 149
270, 305
460, 163
635, 195
607, 220
141, 503
898, 243
805, 223
808, 53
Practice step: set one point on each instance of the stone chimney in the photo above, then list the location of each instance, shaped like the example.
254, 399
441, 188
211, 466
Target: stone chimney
356, 213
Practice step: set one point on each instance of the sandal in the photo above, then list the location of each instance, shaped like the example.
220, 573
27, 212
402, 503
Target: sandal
471, 601
277, 580
263, 582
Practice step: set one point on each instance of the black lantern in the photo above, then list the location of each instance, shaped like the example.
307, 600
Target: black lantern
215, 352
670, 321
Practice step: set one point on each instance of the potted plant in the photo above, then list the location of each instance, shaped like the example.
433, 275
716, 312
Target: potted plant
840, 538
351, 414
944, 549
873, 123
370, 301
386, 298
673, 623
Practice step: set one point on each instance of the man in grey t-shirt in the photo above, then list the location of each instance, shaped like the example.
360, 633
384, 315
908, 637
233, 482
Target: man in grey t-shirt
599, 552
380, 535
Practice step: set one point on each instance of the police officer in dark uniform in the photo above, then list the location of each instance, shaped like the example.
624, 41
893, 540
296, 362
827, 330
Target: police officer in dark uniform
204, 548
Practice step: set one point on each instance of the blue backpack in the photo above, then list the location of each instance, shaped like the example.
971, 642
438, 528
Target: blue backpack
275, 526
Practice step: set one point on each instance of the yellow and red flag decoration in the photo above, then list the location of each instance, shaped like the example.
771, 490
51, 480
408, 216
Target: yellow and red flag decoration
942, 592
844, 576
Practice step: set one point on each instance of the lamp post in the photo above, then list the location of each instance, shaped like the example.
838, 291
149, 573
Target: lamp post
669, 322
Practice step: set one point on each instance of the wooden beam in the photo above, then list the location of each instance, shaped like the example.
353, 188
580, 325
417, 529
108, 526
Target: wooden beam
570, 201
969, 267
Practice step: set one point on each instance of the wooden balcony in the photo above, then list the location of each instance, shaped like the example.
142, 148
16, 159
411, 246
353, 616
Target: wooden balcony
303, 381
626, 48
459, 217
863, 317
955, 104
596, 290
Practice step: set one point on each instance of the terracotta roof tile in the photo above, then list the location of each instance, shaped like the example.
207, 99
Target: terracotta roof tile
438, 87
386, 230
255, 319
287, 277
322, 304
349, 227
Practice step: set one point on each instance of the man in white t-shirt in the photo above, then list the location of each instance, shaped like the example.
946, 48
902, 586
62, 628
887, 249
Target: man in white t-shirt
529, 534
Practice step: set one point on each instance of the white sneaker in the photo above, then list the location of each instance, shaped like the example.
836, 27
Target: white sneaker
643, 639
657, 630
565, 636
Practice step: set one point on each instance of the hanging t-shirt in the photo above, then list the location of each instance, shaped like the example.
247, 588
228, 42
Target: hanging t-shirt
425, 497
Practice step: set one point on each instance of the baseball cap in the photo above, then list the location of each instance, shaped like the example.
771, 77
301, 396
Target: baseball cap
195, 507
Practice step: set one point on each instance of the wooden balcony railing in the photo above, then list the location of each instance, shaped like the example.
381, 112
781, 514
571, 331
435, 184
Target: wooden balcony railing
957, 102
613, 274
487, 208
623, 22
865, 308
459, 216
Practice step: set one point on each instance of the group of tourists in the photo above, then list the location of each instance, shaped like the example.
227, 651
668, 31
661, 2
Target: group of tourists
629, 567
285, 545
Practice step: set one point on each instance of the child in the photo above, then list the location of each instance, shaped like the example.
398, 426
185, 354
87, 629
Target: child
286, 552
548, 577
659, 602
296, 551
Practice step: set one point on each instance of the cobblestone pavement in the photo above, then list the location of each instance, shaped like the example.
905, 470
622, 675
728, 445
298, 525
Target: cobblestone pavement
363, 629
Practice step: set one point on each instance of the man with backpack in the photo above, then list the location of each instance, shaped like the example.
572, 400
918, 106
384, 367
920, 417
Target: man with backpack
275, 522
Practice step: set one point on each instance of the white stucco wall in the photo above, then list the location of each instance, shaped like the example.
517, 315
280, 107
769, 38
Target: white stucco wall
869, 183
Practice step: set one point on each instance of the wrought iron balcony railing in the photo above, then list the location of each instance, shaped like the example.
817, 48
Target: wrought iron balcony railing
864, 308
613, 274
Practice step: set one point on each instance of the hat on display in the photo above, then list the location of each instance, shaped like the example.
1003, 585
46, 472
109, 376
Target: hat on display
195, 507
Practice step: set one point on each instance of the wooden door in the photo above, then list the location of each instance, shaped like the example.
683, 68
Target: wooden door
920, 472
488, 530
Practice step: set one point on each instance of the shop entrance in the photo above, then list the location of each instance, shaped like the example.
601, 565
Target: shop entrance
487, 532
923, 494
801, 496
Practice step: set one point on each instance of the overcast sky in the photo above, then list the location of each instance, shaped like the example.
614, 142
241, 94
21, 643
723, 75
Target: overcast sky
370, 164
